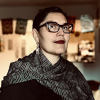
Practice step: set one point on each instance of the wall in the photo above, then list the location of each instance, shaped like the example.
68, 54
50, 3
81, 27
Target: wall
90, 70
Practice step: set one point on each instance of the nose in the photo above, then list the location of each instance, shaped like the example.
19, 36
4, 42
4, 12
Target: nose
60, 32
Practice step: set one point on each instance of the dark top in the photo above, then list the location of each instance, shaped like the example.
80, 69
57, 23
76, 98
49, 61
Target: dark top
29, 90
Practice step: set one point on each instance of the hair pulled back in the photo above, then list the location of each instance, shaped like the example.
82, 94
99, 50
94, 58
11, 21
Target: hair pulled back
40, 17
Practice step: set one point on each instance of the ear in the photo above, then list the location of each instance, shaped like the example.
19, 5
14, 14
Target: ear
35, 35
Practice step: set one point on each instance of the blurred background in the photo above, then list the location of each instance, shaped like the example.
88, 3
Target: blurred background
16, 41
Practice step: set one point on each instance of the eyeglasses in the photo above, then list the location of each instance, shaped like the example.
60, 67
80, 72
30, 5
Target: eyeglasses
54, 27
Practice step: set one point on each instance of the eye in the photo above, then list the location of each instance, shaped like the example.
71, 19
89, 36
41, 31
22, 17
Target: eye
52, 25
65, 27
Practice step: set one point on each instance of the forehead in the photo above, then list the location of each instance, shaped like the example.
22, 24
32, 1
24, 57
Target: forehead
56, 17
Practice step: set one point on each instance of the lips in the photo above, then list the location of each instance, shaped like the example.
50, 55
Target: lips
60, 42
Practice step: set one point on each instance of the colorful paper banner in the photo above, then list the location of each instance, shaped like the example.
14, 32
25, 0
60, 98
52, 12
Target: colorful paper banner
21, 26
7, 26
86, 23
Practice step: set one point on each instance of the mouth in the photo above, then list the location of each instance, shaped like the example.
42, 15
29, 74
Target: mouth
60, 42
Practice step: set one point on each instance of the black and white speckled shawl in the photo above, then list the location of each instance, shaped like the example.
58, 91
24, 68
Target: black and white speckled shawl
63, 77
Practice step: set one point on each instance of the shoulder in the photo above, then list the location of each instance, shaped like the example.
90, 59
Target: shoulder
19, 70
78, 82
75, 74
22, 63
24, 59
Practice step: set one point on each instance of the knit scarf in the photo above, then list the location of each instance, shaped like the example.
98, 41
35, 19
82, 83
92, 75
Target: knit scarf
62, 77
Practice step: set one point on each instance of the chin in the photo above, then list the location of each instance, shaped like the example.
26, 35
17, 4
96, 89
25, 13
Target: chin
60, 52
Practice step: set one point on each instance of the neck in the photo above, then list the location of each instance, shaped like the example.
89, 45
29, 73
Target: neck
51, 57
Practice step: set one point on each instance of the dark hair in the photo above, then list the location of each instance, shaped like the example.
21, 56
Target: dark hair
40, 17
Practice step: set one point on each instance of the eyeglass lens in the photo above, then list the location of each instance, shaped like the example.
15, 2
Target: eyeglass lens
53, 27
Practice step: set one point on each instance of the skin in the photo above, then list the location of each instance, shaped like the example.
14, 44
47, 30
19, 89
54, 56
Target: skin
47, 39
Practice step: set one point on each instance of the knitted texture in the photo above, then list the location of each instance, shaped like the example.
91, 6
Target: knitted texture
62, 77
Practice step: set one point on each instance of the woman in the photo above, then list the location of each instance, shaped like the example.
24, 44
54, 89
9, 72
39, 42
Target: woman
44, 74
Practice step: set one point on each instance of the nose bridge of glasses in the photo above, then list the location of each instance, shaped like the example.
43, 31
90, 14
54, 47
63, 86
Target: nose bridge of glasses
61, 29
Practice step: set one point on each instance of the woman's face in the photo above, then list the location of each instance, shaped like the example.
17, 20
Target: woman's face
53, 43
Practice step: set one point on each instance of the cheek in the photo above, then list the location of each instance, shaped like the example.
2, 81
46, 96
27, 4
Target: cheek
67, 37
41, 36
44, 39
